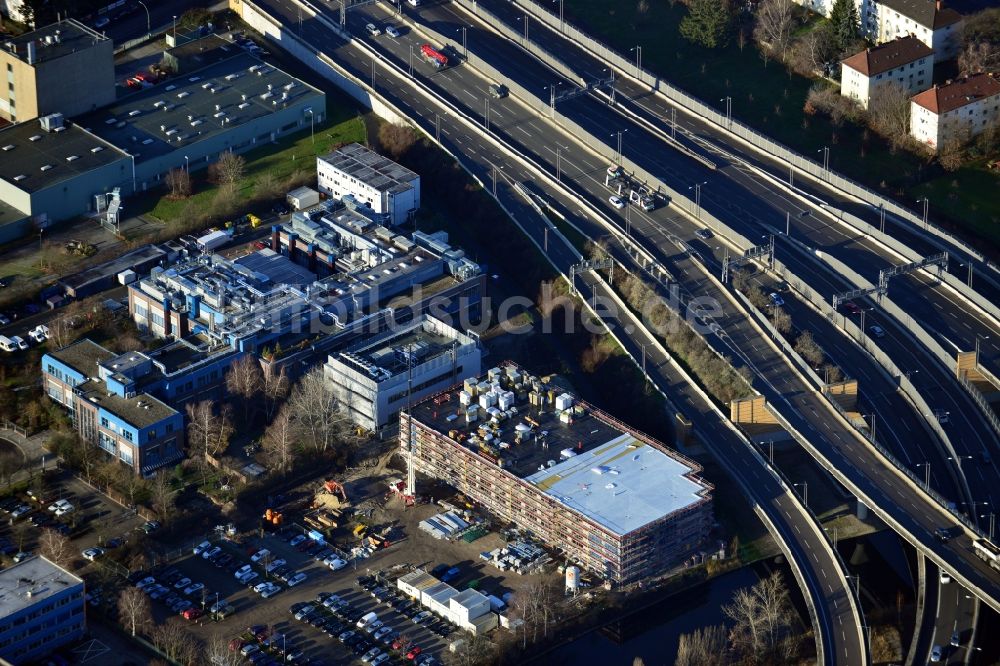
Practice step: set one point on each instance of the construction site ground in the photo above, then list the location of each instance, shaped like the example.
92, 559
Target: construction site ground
367, 489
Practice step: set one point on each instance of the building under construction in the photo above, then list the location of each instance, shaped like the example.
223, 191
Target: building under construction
610, 498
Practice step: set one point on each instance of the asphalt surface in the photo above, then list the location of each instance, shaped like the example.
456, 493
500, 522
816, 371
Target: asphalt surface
959, 323
535, 136
479, 156
866, 469
734, 194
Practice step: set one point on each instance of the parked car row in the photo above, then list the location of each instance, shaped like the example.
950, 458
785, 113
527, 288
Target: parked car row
260, 645
392, 597
177, 592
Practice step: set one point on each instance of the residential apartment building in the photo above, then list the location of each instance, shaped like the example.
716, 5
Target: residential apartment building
387, 371
369, 179
63, 68
105, 394
42, 608
959, 109
906, 61
610, 498
936, 26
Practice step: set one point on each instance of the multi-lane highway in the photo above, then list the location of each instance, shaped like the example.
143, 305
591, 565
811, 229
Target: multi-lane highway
823, 577
936, 310
735, 194
538, 137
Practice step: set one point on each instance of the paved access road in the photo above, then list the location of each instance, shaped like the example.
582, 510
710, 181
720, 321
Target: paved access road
937, 308
751, 204
539, 138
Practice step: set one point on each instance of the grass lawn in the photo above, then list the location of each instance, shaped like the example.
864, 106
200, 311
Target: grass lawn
279, 160
769, 98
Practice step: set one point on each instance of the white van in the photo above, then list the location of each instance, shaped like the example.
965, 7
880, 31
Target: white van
366, 620
19, 341
7, 344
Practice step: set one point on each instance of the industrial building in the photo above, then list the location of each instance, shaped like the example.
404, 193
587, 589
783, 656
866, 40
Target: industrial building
371, 180
51, 169
234, 102
62, 68
612, 499
384, 373
468, 609
41, 609
107, 399
54, 169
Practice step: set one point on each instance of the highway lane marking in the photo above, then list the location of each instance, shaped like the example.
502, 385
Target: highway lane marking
469, 94
523, 131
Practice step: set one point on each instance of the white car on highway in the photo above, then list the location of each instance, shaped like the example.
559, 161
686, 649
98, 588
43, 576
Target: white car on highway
616, 202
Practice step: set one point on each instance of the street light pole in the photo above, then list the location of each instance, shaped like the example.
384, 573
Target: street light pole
148, 29
486, 114
411, 61
927, 474
881, 214
638, 60
826, 158
729, 110
312, 125
558, 163
805, 492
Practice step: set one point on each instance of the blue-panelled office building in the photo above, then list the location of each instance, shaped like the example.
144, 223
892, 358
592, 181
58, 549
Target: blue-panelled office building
42, 608
112, 401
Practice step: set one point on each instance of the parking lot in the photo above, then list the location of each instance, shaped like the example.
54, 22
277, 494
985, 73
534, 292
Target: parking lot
67, 505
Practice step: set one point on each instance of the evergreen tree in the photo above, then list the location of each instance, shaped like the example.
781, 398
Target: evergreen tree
844, 17
707, 23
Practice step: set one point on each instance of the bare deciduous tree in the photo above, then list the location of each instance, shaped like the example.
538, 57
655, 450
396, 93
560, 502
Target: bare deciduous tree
279, 441
208, 434
781, 320
806, 346
274, 386
179, 182
396, 139
219, 654
245, 381
230, 169
774, 23
56, 547
889, 112
174, 639
162, 496
318, 417
762, 618
979, 57
703, 647
134, 610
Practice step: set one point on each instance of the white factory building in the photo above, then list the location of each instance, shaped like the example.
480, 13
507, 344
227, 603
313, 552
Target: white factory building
400, 366
370, 179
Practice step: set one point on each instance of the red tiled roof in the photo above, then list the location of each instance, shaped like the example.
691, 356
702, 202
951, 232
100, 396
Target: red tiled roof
956, 94
888, 56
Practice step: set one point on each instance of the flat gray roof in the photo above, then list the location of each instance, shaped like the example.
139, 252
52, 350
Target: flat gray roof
370, 168
277, 268
182, 111
140, 411
83, 356
31, 582
34, 159
64, 37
